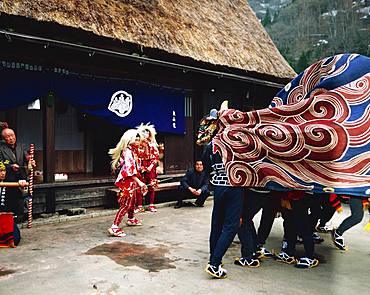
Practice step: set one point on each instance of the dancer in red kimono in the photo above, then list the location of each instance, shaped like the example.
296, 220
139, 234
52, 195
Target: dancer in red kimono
149, 157
124, 160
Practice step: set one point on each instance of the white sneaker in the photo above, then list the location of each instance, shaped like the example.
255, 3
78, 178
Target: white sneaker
133, 222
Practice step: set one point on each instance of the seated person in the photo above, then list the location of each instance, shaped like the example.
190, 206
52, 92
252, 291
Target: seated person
195, 184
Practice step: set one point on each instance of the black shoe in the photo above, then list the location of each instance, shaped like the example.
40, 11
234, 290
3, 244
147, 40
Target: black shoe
188, 204
247, 262
177, 206
305, 262
338, 240
262, 252
285, 258
216, 271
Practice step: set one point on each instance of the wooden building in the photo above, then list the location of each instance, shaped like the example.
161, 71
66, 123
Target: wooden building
176, 59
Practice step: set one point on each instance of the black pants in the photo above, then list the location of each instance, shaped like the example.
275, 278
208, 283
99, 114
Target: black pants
227, 209
313, 202
269, 210
186, 194
253, 203
357, 213
14, 202
298, 222
327, 211
321, 209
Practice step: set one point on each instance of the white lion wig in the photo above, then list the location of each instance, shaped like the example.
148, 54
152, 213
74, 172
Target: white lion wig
128, 137
147, 127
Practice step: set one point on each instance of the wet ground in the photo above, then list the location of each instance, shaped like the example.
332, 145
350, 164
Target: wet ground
131, 254
167, 255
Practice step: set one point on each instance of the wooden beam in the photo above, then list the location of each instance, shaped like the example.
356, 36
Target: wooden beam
48, 138
198, 113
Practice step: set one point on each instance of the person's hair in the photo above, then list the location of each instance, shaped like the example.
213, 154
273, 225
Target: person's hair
3, 125
115, 153
147, 127
197, 160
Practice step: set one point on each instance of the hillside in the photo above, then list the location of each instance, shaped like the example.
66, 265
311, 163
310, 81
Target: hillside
307, 30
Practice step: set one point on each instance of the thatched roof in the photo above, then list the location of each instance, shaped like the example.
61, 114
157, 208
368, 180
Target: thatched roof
220, 32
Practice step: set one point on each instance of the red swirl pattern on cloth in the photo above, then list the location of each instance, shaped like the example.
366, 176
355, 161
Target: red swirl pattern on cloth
312, 75
305, 139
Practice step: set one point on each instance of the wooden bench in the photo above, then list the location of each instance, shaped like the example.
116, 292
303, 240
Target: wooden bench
167, 186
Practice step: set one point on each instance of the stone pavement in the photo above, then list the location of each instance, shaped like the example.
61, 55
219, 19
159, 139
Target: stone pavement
167, 255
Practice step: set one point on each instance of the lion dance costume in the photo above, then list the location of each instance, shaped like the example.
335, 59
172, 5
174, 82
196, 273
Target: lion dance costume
314, 137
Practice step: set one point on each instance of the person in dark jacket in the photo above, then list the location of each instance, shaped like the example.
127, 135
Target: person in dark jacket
15, 154
195, 185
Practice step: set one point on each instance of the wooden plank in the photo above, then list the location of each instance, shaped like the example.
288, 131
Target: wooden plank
168, 186
92, 202
70, 161
79, 194
82, 197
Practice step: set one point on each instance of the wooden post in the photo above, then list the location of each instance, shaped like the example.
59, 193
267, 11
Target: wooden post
198, 108
49, 147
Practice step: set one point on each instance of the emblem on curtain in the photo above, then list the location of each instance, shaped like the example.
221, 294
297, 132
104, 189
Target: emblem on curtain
121, 103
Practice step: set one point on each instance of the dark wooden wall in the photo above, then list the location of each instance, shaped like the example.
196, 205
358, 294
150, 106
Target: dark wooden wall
179, 150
